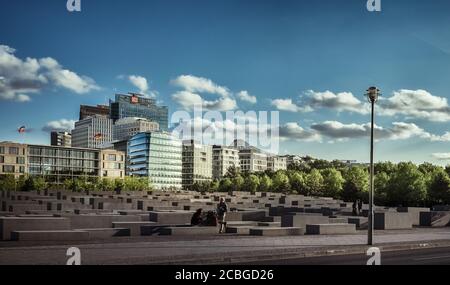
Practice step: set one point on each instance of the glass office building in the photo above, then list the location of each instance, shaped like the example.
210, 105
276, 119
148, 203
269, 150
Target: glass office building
135, 105
157, 155
57, 164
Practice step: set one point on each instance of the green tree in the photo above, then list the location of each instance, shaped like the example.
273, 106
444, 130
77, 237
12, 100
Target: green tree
39, 184
407, 186
333, 183
298, 184
281, 183
381, 188
356, 184
226, 185
439, 191
314, 183
265, 183
251, 183
238, 182
107, 185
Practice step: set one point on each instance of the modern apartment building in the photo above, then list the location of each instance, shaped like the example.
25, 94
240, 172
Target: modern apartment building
13, 159
90, 111
112, 164
276, 163
92, 132
61, 139
158, 156
252, 160
125, 128
223, 159
197, 163
292, 160
135, 105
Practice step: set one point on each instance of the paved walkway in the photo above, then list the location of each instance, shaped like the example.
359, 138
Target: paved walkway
147, 250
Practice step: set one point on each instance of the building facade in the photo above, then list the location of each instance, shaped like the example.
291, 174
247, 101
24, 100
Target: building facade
90, 111
61, 139
125, 128
276, 163
92, 132
293, 160
112, 164
13, 159
252, 160
135, 105
158, 156
197, 164
223, 159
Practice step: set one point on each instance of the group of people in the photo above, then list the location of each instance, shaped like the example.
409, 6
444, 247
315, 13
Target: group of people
357, 207
212, 218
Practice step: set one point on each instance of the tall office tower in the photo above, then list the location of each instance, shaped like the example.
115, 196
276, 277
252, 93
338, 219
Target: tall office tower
127, 127
223, 159
61, 139
89, 111
135, 105
197, 163
158, 156
92, 132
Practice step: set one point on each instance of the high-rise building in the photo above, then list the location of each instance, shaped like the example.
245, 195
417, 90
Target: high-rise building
90, 111
13, 159
276, 163
135, 105
252, 160
223, 159
197, 163
158, 156
127, 127
92, 132
61, 139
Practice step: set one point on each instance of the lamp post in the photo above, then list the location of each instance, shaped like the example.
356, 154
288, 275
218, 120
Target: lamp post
372, 95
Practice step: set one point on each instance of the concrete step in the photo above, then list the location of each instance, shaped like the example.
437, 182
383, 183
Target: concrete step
49, 235
269, 224
10, 224
267, 231
96, 234
330, 229
135, 228
189, 231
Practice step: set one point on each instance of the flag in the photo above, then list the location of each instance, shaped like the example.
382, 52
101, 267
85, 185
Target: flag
22, 130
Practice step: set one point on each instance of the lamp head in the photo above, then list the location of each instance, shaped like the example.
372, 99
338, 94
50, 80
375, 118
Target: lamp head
372, 94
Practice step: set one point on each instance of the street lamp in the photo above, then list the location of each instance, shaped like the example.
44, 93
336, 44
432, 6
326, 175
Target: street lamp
372, 95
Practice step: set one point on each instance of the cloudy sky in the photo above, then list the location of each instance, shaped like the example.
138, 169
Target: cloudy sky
310, 60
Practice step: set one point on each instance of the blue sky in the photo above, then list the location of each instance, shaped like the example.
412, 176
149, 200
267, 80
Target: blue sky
275, 50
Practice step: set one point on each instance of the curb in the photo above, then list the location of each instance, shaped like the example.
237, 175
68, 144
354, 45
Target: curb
294, 253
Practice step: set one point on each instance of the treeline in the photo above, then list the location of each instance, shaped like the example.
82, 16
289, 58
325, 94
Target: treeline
80, 184
403, 184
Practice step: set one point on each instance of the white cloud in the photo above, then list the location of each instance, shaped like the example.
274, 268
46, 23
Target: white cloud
139, 82
344, 101
189, 100
290, 106
398, 131
416, 104
189, 97
21, 77
245, 96
293, 131
200, 85
441, 156
60, 125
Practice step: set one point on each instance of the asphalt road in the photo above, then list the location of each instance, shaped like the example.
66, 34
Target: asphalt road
434, 256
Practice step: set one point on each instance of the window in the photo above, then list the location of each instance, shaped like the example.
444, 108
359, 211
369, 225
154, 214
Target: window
20, 160
2, 149
14, 150
2, 159
112, 157
22, 169
9, 169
